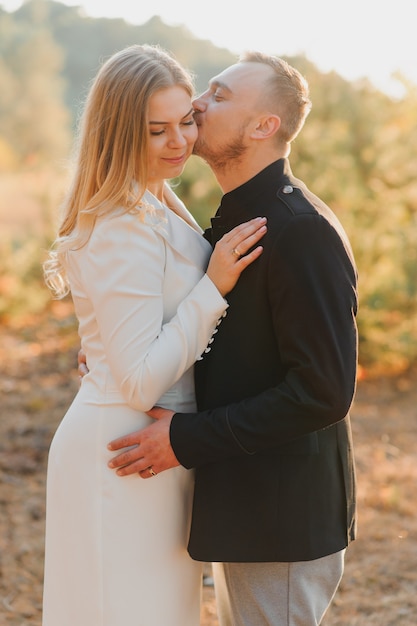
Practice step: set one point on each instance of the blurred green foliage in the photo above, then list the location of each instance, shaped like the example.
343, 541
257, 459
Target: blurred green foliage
358, 151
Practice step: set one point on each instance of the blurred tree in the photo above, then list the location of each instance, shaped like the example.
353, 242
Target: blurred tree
86, 42
33, 118
358, 150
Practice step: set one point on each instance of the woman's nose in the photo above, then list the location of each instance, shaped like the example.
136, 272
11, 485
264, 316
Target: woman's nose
177, 139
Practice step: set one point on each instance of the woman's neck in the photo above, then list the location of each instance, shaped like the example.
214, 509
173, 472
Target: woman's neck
157, 189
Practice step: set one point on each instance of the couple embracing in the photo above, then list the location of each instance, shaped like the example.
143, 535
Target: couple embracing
212, 424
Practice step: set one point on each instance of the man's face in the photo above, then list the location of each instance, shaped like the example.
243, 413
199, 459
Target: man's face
227, 112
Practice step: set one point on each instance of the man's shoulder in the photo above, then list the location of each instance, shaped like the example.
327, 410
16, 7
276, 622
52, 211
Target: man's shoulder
296, 199
298, 206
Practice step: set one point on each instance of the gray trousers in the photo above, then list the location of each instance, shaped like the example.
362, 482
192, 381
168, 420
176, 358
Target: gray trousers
276, 594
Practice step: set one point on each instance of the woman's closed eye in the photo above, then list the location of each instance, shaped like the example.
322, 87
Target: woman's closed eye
189, 122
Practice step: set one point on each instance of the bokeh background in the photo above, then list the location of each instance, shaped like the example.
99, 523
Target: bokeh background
358, 151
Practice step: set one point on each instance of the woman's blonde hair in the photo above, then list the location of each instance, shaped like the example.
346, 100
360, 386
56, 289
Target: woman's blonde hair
111, 167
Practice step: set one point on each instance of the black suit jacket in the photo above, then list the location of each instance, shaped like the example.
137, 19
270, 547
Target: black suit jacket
271, 442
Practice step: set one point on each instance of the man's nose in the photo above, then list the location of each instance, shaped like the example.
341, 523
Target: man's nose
199, 103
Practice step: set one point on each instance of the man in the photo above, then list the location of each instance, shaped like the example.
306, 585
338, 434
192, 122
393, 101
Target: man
274, 503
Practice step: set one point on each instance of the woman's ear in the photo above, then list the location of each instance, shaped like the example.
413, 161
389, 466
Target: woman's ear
266, 127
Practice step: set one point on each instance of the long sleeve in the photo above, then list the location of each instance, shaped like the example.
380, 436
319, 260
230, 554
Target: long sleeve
153, 321
312, 300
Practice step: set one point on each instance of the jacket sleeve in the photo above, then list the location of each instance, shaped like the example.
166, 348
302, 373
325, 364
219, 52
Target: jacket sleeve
311, 286
123, 272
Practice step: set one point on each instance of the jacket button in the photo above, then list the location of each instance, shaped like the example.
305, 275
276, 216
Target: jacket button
288, 189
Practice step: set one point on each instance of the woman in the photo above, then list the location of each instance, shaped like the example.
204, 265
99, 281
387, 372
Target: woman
135, 263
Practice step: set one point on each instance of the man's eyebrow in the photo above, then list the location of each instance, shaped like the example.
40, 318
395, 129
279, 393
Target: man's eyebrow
190, 112
215, 84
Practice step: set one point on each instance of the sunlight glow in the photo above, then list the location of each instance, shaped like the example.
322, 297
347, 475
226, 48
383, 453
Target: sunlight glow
362, 38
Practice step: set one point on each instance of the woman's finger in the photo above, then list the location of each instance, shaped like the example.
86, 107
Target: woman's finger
239, 245
243, 230
249, 258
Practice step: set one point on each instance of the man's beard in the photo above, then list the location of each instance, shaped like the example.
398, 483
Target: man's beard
220, 157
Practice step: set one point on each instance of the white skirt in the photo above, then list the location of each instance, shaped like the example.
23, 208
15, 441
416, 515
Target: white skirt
115, 546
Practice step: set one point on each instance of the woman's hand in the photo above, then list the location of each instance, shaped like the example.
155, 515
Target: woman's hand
229, 257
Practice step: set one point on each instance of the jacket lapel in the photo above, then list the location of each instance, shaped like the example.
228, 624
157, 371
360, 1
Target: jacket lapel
179, 229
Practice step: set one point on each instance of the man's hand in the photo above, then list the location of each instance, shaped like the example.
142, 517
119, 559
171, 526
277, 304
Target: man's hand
151, 452
82, 364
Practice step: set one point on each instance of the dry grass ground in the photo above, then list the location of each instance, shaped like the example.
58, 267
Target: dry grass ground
37, 381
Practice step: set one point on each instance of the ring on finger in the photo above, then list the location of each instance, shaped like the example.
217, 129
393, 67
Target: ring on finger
151, 471
236, 253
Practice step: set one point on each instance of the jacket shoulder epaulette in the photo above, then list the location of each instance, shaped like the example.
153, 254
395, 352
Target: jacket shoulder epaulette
295, 200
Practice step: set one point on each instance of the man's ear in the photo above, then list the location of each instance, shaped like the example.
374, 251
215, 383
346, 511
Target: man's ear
266, 127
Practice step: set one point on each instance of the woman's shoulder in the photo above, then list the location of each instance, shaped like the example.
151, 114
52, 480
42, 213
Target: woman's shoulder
142, 217
122, 232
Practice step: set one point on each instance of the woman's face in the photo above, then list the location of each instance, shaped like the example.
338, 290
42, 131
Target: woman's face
172, 133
